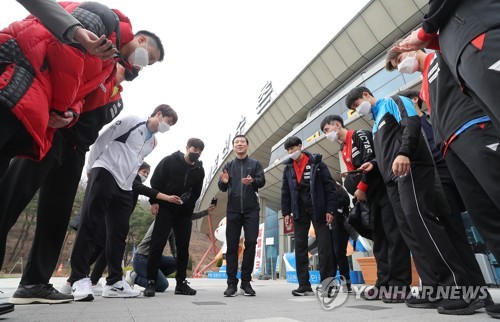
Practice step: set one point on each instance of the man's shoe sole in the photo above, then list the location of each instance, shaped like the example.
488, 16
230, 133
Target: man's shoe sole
471, 309
87, 298
148, 294
34, 300
119, 295
7, 310
246, 294
494, 315
428, 305
231, 295
184, 293
308, 293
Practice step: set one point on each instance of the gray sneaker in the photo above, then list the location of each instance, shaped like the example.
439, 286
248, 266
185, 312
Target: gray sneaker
40, 293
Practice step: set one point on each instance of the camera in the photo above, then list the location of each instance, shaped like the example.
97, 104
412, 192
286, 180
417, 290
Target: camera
214, 201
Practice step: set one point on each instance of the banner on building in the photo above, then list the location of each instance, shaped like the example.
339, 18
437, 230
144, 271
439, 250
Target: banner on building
259, 251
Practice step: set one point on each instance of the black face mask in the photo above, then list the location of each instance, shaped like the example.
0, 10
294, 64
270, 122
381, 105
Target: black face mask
193, 157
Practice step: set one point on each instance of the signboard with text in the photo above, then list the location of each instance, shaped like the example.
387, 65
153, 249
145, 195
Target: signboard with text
257, 264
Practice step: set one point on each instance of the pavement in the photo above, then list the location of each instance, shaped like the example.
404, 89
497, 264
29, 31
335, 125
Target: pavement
274, 302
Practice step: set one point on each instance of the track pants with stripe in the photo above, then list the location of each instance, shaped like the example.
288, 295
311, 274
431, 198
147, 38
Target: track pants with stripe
473, 159
415, 200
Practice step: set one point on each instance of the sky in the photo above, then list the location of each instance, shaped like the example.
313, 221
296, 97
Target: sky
219, 54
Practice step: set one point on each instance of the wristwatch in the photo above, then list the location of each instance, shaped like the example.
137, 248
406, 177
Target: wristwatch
70, 34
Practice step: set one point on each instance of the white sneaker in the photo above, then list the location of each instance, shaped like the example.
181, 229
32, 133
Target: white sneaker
120, 289
97, 289
130, 278
65, 289
82, 290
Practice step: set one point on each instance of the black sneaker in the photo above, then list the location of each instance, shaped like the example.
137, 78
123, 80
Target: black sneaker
420, 302
371, 294
40, 293
303, 290
247, 289
459, 307
494, 311
347, 288
150, 289
488, 301
184, 289
394, 297
230, 291
6, 308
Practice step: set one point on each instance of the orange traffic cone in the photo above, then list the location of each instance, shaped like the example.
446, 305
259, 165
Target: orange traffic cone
59, 270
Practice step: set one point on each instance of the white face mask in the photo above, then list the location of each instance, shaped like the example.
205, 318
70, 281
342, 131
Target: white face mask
295, 155
332, 135
140, 57
365, 108
162, 126
409, 65
143, 177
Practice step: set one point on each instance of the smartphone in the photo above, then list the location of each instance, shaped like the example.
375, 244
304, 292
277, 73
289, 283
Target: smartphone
214, 201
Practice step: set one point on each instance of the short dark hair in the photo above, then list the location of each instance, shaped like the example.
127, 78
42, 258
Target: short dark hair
156, 39
391, 55
411, 95
196, 143
241, 136
292, 141
355, 94
332, 118
144, 165
165, 110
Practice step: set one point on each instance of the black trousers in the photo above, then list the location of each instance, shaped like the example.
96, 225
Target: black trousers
454, 227
168, 219
14, 139
473, 165
482, 83
389, 248
415, 202
249, 221
98, 258
57, 176
107, 208
325, 252
340, 238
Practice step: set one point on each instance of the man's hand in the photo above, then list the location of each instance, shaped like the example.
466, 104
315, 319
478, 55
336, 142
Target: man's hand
246, 181
57, 121
360, 195
329, 218
366, 167
401, 166
120, 74
174, 199
154, 209
224, 176
411, 43
97, 46
210, 209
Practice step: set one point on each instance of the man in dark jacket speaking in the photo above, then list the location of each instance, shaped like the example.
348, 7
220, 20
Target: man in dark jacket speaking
308, 194
241, 178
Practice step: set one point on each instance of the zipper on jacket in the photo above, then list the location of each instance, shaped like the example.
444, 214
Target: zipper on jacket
241, 183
